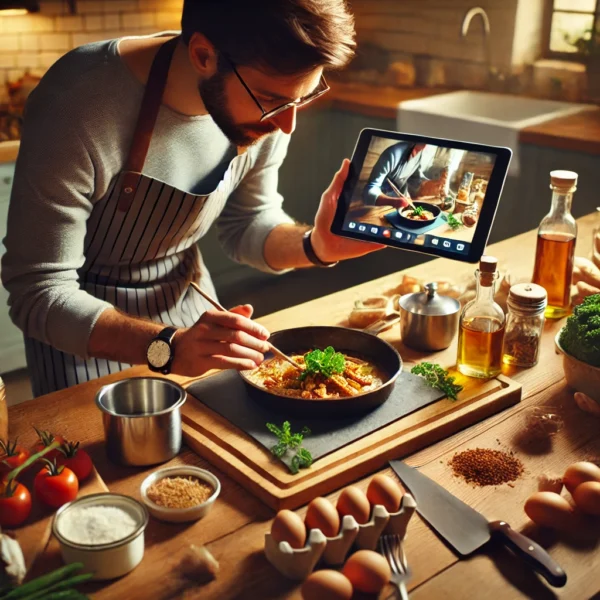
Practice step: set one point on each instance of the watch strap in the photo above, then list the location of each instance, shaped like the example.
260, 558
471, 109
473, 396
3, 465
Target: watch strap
311, 254
167, 334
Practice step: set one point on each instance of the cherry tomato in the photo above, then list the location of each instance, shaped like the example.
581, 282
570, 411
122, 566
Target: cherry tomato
11, 456
45, 439
15, 504
76, 459
55, 485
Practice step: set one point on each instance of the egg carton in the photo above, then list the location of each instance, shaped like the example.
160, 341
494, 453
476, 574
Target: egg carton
298, 563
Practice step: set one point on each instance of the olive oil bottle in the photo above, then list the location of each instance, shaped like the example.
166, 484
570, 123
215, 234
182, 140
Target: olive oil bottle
481, 329
555, 252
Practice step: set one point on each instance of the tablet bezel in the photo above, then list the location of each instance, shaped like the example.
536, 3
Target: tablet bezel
486, 216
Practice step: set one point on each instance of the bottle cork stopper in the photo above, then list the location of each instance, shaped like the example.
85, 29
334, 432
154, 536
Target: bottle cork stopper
563, 179
488, 264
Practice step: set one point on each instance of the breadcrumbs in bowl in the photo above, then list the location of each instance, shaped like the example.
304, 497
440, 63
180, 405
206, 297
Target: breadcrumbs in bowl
180, 494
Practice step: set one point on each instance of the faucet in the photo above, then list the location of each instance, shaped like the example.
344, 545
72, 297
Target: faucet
485, 22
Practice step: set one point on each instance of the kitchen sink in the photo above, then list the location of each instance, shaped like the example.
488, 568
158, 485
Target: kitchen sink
480, 117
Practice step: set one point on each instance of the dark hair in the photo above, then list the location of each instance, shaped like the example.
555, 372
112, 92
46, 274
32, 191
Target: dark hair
287, 36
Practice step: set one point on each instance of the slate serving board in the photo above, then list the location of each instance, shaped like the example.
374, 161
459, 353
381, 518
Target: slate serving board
226, 394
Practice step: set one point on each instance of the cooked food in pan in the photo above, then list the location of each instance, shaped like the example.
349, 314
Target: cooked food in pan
418, 213
327, 374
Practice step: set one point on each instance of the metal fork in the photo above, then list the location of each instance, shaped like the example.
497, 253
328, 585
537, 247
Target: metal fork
391, 547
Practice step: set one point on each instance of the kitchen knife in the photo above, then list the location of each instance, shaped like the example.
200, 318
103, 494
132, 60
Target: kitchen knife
466, 530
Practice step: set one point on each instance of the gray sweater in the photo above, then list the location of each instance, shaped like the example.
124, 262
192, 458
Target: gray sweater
78, 128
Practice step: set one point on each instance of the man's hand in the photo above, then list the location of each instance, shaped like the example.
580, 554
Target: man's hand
220, 340
328, 246
395, 201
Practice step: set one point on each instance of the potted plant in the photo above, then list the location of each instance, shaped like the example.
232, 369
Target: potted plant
579, 343
588, 45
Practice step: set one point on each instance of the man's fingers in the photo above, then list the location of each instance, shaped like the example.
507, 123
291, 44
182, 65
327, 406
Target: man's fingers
231, 320
231, 350
246, 310
226, 362
214, 333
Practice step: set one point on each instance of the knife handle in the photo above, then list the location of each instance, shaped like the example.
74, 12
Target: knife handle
533, 554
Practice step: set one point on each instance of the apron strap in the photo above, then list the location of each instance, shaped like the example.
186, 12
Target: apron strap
151, 102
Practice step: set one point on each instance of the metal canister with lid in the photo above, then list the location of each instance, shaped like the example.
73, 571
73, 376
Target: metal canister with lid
526, 305
428, 321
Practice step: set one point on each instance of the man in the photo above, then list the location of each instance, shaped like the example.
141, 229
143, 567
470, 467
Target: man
399, 169
131, 150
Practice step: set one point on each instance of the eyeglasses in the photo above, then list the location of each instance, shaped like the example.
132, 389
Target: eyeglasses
269, 114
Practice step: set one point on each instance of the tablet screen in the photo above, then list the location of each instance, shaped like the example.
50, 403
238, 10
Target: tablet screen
412, 192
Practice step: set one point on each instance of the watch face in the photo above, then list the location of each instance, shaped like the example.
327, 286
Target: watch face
159, 353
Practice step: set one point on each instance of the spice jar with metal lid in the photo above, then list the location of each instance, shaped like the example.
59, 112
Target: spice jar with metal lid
428, 320
526, 305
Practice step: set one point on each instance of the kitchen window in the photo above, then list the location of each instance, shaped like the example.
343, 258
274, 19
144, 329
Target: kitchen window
569, 27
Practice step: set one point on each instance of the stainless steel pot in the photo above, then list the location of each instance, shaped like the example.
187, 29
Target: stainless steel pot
428, 321
142, 420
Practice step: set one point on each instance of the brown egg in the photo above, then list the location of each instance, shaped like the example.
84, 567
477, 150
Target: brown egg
385, 491
551, 510
587, 497
327, 585
367, 571
322, 515
579, 473
288, 527
353, 501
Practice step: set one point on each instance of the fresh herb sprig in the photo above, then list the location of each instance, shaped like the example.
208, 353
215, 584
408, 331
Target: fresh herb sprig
438, 378
418, 211
288, 441
323, 362
452, 221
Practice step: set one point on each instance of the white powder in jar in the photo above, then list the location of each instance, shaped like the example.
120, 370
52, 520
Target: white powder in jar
96, 524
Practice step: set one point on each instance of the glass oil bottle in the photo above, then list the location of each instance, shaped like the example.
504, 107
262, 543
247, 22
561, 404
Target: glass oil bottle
481, 330
555, 252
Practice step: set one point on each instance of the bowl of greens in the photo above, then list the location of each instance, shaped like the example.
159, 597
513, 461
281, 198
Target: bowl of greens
579, 343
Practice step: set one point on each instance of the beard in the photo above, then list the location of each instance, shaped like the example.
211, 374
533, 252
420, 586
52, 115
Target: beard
213, 95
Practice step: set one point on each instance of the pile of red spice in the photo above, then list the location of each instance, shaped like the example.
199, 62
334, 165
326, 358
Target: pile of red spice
483, 466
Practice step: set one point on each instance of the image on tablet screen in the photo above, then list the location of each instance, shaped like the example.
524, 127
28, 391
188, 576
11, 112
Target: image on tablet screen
421, 194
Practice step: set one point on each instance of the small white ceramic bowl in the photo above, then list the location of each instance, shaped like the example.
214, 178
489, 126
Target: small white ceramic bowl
105, 561
180, 515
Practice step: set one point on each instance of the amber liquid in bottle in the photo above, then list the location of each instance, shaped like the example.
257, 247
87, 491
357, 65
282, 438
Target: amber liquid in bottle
555, 252
481, 330
553, 270
480, 347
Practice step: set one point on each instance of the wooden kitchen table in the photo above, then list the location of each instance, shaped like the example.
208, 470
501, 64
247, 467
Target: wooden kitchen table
234, 531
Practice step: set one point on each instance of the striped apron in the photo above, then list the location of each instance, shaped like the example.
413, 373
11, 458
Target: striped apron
140, 247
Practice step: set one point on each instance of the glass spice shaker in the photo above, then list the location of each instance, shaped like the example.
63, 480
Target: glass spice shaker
526, 305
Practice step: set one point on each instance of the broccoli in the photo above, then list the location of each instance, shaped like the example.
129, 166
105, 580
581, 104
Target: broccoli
580, 337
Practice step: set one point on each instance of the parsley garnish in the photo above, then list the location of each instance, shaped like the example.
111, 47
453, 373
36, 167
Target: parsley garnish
438, 378
418, 211
323, 362
291, 441
452, 221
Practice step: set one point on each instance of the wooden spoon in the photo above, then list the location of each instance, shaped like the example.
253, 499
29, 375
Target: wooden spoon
218, 306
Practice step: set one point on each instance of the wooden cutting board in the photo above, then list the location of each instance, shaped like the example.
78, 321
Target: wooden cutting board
252, 466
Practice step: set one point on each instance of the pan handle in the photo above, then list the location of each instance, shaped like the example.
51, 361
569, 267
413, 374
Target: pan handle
383, 324
533, 554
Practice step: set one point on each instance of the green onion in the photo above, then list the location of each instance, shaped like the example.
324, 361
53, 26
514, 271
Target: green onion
43, 582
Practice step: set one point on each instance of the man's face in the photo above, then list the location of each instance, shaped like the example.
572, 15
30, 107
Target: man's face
235, 112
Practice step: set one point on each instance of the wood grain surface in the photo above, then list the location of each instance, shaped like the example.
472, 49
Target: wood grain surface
234, 530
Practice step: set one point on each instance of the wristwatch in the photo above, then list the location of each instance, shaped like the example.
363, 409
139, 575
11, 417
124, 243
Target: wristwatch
159, 353
311, 254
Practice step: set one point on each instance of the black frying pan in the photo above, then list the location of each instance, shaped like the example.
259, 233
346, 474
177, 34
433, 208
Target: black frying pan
351, 341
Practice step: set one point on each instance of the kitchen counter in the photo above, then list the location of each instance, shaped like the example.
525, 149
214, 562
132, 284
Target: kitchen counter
577, 133
9, 151
234, 531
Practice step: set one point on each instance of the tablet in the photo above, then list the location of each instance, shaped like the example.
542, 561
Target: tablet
424, 194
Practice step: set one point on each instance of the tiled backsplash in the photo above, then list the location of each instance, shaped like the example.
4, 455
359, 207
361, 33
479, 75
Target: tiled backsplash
34, 42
